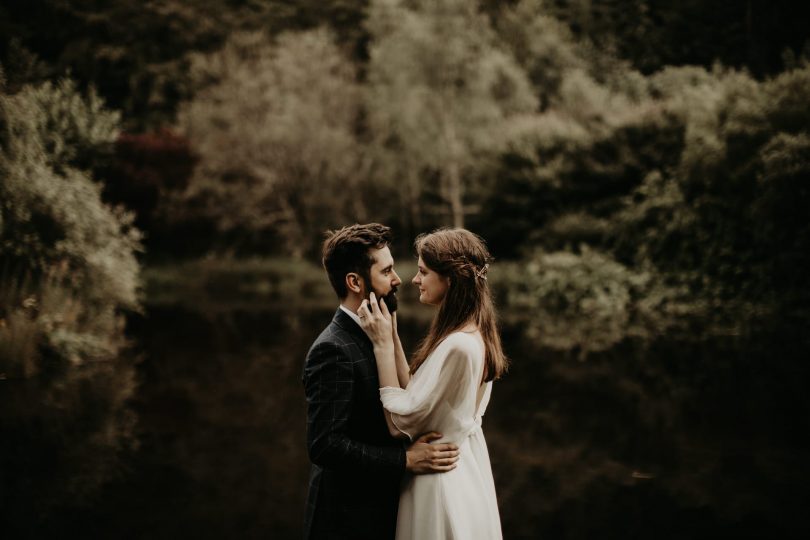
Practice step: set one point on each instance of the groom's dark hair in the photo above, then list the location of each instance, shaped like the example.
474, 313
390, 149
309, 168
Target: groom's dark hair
347, 250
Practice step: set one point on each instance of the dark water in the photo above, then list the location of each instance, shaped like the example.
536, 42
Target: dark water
675, 437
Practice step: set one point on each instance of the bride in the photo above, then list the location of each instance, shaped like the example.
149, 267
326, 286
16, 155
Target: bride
446, 388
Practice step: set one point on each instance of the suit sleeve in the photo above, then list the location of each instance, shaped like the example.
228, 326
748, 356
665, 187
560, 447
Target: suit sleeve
328, 384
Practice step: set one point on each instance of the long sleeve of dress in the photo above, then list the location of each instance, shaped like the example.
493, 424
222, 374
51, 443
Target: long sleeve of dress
441, 394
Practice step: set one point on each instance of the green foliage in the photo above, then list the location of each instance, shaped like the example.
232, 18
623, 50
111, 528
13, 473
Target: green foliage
137, 53
72, 130
274, 132
785, 99
782, 209
441, 92
547, 49
674, 173
52, 210
67, 270
588, 301
737, 137
539, 124
558, 168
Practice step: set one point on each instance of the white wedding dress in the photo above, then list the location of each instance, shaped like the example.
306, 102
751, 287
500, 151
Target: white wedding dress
445, 395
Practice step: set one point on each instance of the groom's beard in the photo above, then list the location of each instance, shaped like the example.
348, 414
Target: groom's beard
391, 300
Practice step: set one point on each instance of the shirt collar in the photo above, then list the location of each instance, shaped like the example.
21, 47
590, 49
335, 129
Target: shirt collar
351, 314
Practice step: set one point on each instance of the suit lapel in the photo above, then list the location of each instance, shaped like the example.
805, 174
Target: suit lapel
365, 362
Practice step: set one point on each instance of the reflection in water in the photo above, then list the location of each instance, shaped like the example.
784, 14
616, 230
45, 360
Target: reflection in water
671, 438
666, 438
63, 428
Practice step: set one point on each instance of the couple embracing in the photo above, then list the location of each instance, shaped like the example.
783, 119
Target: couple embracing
396, 447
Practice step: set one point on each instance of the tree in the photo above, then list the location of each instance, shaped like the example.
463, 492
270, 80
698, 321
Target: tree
136, 54
273, 126
441, 90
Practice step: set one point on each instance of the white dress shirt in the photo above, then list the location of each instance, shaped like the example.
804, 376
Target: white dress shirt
355, 317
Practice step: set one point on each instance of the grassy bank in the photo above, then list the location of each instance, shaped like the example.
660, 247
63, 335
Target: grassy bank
228, 283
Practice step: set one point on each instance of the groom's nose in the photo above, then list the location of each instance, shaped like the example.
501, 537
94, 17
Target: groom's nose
397, 281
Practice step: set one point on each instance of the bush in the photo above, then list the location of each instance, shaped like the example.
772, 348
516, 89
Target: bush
588, 301
67, 270
697, 176
731, 219
559, 165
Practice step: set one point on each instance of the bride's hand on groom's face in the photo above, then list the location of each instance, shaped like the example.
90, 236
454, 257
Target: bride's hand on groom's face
376, 321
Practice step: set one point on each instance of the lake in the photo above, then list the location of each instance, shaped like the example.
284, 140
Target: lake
676, 436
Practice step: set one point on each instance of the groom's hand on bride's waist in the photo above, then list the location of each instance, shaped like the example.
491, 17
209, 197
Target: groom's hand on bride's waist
425, 458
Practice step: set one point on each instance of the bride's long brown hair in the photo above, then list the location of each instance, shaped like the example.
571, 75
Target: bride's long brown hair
462, 257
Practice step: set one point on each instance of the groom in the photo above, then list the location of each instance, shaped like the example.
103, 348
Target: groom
357, 466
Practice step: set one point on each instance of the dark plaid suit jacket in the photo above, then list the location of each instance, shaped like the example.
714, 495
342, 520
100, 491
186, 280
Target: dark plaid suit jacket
357, 466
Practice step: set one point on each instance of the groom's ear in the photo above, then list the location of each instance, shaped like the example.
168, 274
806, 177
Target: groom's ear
354, 282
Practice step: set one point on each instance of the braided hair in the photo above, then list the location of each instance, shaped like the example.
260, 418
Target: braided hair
461, 256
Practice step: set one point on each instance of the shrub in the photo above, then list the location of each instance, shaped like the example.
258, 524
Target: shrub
587, 301
67, 270
698, 176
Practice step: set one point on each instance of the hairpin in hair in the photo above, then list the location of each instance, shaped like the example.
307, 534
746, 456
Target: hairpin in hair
482, 273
